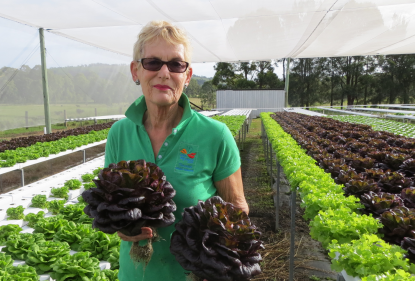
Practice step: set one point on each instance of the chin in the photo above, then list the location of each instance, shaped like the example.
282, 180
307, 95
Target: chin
165, 99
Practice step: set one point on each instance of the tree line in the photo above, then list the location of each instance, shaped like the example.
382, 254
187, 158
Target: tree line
94, 83
313, 81
329, 81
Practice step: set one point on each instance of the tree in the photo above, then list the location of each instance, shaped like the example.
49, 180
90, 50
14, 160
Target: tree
193, 89
350, 69
224, 76
208, 94
262, 68
246, 75
305, 81
10, 94
399, 75
81, 86
243, 83
246, 68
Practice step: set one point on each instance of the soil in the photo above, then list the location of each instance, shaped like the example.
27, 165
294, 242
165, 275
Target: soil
311, 261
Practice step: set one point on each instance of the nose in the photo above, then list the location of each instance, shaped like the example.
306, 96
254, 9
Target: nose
164, 71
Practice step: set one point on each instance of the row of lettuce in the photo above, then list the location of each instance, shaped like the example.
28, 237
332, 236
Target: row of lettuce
392, 126
29, 151
47, 249
9, 158
233, 122
352, 239
15, 143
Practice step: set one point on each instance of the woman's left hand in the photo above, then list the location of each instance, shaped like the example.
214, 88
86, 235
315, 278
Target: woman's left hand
146, 233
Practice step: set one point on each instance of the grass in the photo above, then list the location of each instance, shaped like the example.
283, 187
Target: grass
256, 180
14, 116
13, 121
196, 101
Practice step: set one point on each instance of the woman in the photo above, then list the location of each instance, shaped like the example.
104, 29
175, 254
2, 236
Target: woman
197, 154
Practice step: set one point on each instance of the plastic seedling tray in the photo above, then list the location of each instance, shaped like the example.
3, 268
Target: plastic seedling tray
18, 222
32, 210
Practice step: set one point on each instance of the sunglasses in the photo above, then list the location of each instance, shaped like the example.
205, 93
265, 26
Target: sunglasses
175, 66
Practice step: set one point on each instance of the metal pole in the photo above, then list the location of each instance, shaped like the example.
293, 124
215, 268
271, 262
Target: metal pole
45, 82
243, 136
27, 119
266, 151
239, 133
22, 176
287, 82
64, 117
277, 215
84, 155
292, 242
270, 153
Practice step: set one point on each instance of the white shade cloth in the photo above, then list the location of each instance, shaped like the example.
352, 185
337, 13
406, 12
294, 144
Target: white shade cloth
233, 30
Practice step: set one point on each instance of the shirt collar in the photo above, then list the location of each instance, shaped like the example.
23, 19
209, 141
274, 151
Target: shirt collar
136, 111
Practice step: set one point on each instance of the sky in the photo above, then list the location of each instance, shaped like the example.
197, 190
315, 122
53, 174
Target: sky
20, 45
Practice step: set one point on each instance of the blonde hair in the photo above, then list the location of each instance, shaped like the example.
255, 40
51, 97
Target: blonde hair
166, 31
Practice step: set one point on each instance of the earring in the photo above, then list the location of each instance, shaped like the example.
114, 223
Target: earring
137, 82
185, 86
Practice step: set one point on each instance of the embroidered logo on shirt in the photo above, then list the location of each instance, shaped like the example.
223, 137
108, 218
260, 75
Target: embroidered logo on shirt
190, 155
186, 158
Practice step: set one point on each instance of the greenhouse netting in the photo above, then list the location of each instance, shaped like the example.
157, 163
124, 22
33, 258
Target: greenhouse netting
233, 30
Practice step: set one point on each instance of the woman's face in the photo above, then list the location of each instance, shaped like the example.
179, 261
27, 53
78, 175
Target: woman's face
162, 87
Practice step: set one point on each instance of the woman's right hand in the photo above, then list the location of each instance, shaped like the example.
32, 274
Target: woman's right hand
146, 233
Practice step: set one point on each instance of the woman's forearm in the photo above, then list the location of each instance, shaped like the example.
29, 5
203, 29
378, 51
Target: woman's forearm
231, 190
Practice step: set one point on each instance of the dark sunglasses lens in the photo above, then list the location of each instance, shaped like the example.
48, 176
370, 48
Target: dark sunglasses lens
177, 66
173, 66
152, 64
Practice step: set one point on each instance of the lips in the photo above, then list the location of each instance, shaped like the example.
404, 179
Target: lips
162, 87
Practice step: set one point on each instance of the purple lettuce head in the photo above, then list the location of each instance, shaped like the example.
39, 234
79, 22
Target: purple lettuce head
128, 196
217, 241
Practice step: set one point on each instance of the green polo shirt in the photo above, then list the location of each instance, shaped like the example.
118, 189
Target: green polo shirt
197, 153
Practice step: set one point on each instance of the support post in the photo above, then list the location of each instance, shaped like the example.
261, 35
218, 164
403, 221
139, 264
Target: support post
84, 153
277, 209
64, 118
45, 82
266, 151
239, 139
292, 238
243, 135
27, 119
22, 176
287, 82
270, 154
